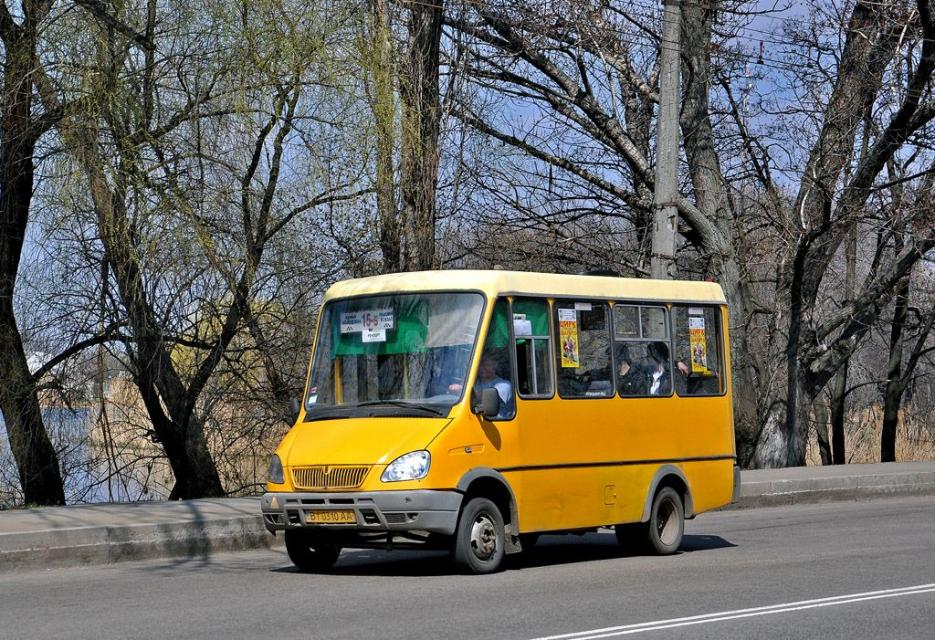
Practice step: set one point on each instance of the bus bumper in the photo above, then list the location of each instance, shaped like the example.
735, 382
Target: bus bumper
374, 511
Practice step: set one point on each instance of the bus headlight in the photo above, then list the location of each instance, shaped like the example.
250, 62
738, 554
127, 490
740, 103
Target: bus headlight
411, 466
275, 473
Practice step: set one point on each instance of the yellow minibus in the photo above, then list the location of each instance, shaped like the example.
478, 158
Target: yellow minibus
474, 410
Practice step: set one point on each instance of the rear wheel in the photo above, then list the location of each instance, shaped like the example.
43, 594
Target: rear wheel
662, 534
666, 522
308, 556
479, 541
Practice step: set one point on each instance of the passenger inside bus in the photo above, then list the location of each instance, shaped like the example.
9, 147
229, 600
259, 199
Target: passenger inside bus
631, 381
657, 366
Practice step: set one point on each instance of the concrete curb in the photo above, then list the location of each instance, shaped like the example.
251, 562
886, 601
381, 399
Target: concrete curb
118, 543
836, 488
197, 529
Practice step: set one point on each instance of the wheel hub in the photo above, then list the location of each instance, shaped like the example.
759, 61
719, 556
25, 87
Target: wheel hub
667, 525
483, 537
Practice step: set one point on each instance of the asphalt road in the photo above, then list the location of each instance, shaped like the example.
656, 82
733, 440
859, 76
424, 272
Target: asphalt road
842, 570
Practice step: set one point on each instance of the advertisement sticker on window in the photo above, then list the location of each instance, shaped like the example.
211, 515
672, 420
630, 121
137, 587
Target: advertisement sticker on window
568, 338
698, 345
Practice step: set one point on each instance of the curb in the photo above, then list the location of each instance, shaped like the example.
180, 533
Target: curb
108, 544
834, 489
67, 537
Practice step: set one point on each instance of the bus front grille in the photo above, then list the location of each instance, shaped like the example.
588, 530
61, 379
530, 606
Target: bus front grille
329, 477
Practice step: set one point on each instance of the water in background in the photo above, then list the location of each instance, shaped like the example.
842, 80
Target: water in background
85, 471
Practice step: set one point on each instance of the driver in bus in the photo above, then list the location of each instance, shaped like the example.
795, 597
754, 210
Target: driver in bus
487, 378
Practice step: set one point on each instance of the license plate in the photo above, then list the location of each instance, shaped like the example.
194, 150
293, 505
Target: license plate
343, 516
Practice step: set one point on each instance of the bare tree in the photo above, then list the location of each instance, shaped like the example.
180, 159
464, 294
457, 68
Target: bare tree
147, 167
20, 130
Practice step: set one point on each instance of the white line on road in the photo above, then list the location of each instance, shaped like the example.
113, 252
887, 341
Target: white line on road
658, 625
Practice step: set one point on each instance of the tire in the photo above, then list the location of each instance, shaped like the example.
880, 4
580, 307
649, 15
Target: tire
479, 540
666, 522
307, 556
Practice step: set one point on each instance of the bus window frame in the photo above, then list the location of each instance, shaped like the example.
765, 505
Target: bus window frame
475, 354
609, 317
718, 307
552, 372
479, 353
668, 319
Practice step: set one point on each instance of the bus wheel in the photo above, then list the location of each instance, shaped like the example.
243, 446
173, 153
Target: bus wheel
666, 522
308, 557
479, 540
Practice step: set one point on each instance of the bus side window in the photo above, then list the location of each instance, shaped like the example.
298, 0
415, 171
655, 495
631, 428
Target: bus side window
494, 370
698, 350
641, 351
532, 340
583, 360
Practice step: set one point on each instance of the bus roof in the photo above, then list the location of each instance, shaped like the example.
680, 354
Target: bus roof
497, 282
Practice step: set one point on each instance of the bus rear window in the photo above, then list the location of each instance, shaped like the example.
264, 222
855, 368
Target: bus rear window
698, 348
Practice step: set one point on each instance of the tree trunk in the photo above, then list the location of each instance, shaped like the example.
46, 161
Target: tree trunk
36, 461
821, 430
184, 444
868, 48
839, 390
838, 411
771, 444
712, 199
383, 105
892, 396
177, 428
421, 116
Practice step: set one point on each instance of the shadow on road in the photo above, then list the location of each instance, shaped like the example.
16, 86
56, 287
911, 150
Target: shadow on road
704, 543
550, 551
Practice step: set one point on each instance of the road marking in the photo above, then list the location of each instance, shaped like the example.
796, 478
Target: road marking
658, 625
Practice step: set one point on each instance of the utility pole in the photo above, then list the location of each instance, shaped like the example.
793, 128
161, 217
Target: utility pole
665, 218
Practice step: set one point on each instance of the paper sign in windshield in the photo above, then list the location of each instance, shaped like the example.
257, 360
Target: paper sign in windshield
378, 335
568, 337
521, 326
374, 320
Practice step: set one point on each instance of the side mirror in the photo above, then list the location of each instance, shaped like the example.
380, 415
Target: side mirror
489, 404
294, 405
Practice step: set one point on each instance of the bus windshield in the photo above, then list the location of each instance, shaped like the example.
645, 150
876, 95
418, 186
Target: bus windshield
394, 354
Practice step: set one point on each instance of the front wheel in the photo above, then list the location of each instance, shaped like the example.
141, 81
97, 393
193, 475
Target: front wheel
307, 556
480, 539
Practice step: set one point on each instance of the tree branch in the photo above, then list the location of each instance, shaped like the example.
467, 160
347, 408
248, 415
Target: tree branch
106, 336
97, 9
8, 27
563, 163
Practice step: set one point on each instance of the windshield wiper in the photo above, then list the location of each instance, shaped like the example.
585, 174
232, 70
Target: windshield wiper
400, 403
328, 413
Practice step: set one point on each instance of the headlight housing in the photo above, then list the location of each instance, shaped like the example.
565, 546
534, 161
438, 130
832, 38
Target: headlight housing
275, 473
411, 466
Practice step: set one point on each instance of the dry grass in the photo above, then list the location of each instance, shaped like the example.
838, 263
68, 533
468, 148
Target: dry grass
915, 438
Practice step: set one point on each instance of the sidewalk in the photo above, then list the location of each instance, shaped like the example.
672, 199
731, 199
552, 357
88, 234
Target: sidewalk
104, 533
